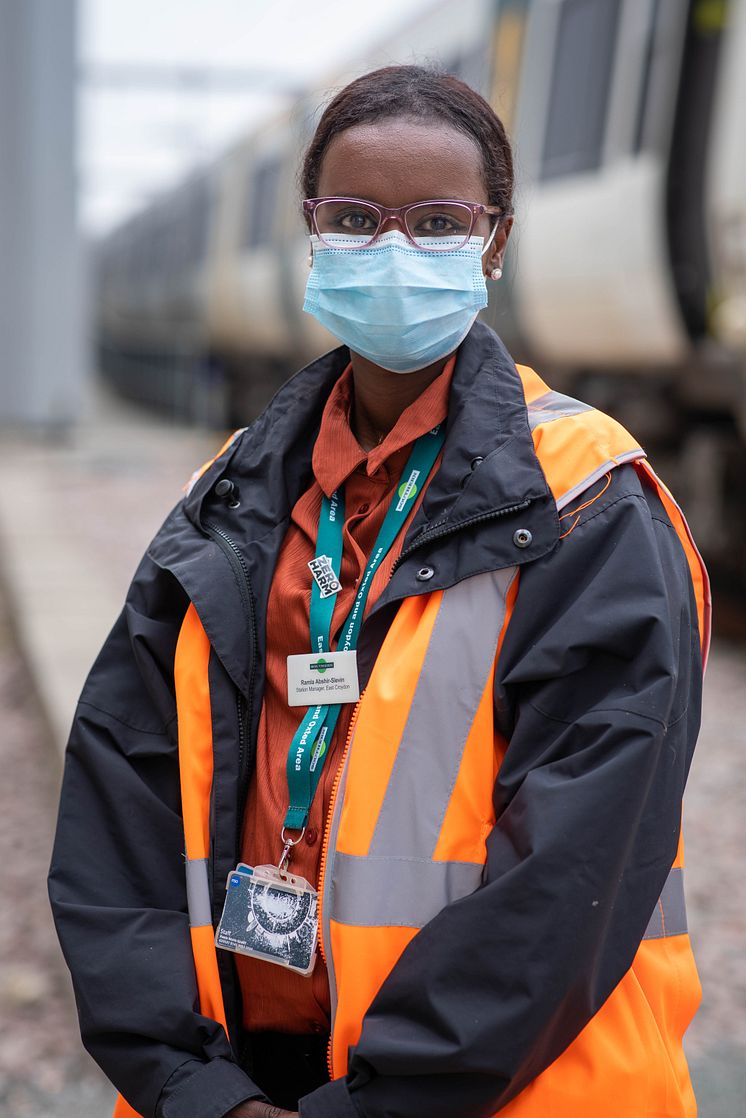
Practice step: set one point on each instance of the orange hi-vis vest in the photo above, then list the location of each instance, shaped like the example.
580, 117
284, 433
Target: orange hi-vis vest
387, 869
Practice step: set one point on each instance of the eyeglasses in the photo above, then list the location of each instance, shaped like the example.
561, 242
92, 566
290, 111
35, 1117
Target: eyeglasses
423, 223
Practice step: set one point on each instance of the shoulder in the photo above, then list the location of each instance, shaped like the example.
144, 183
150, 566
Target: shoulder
576, 444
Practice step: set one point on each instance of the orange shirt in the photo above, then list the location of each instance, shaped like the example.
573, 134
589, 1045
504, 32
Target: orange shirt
275, 998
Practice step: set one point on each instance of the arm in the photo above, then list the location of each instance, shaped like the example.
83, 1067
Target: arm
600, 681
117, 884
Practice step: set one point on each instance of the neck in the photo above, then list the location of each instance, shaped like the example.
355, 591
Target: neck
381, 396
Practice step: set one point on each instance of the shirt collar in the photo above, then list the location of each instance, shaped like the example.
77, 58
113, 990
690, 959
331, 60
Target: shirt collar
337, 453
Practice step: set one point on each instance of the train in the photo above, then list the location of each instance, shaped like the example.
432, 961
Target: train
625, 275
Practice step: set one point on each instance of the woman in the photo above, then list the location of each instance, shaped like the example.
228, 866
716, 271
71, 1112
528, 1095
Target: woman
494, 827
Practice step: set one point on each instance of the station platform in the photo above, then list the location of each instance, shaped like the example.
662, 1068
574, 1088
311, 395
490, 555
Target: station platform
76, 515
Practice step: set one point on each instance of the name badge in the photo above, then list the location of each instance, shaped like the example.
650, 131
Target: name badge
319, 679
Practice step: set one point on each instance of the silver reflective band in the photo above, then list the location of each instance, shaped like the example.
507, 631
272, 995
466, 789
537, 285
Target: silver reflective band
397, 892
198, 893
439, 721
597, 474
408, 892
669, 914
554, 405
436, 738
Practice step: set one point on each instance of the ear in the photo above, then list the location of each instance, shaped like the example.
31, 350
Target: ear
494, 258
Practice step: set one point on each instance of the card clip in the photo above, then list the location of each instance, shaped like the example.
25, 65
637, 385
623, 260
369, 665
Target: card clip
289, 843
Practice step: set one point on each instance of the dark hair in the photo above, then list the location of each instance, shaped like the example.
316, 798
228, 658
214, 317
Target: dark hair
416, 93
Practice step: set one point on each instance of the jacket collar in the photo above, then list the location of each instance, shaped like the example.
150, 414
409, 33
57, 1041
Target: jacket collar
488, 459
489, 483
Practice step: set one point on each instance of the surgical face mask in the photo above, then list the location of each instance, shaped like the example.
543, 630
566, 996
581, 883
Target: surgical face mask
400, 306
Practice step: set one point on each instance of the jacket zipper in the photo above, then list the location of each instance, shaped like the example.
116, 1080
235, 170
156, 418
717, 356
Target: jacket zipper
245, 758
436, 535
324, 854
244, 709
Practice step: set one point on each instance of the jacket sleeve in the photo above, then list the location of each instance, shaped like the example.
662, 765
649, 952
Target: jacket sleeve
117, 883
599, 688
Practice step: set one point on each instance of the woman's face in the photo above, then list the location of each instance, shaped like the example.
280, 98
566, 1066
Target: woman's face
400, 161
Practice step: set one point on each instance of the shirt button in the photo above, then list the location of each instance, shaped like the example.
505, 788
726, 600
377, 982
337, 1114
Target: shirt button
363, 508
311, 835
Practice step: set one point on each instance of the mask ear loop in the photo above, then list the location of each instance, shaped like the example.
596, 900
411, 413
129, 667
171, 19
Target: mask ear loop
490, 239
495, 273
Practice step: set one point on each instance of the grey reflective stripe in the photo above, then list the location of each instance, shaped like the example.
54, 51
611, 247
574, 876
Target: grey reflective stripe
398, 892
393, 892
461, 652
554, 405
198, 892
385, 888
669, 914
628, 456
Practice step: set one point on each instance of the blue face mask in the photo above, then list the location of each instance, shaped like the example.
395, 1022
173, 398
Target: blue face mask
401, 307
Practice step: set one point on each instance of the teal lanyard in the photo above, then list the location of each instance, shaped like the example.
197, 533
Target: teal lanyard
309, 745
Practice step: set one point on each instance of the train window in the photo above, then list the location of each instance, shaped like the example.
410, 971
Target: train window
262, 203
579, 90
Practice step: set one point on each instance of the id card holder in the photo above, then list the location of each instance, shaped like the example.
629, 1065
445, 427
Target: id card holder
271, 915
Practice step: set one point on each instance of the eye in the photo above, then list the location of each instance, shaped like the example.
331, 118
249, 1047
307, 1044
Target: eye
346, 217
357, 221
435, 225
439, 221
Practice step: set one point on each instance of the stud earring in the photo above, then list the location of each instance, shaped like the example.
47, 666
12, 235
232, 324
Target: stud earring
496, 273
310, 260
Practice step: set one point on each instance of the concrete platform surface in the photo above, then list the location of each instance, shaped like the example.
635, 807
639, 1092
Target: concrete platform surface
75, 519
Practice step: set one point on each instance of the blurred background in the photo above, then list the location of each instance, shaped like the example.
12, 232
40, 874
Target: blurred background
153, 267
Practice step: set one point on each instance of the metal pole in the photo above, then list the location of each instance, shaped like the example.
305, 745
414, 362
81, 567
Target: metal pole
42, 364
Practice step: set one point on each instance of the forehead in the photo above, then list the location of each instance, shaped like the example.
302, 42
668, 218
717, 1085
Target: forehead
397, 161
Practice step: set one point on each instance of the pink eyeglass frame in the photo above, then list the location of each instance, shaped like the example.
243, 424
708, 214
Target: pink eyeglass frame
399, 214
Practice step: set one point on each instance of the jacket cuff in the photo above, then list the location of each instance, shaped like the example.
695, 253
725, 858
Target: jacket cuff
331, 1100
206, 1090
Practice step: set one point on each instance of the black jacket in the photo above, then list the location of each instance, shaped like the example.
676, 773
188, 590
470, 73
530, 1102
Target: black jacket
598, 691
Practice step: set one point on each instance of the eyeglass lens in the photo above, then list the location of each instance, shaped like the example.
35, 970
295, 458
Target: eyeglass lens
426, 222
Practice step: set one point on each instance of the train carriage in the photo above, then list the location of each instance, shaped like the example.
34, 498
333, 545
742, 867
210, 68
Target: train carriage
625, 278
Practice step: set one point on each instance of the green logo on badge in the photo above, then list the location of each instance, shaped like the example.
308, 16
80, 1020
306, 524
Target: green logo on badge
318, 753
322, 665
